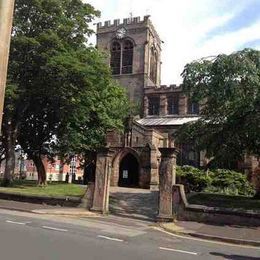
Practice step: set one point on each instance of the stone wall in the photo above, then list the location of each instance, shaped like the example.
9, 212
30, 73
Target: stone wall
219, 216
164, 93
184, 211
64, 201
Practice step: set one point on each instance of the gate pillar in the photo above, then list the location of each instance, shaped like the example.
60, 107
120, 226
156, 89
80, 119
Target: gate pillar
154, 182
167, 178
102, 181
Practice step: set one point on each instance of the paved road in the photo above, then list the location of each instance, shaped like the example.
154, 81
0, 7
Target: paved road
27, 236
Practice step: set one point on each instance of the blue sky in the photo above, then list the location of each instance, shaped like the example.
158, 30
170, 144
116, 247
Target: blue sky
192, 29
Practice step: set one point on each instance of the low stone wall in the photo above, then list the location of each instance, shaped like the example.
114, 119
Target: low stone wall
182, 210
87, 199
61, 201
219, 216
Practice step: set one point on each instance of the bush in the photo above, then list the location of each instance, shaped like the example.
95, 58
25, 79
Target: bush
216, 181
230, 182
192, 178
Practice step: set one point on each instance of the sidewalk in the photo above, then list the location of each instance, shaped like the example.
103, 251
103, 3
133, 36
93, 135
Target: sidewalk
224, 233
24, 206
44, 209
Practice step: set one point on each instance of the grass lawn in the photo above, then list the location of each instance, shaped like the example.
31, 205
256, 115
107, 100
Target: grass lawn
225, 201
53, 189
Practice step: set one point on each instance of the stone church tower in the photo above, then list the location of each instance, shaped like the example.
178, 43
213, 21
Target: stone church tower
133, 48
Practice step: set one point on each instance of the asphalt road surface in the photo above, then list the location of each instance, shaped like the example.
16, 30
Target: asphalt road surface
26, 236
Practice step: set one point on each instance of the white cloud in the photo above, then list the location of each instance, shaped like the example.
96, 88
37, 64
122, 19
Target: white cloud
183, 25
229, 42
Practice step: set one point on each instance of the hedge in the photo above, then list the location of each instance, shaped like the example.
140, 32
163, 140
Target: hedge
216, 181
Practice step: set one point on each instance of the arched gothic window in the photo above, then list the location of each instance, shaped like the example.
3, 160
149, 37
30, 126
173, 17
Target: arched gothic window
115, 62
153, 65
122, 57
193, 107
127, 62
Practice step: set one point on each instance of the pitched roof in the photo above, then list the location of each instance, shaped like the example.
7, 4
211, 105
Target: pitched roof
167, 121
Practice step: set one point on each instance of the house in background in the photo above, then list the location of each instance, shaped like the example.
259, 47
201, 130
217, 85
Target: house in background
56, 171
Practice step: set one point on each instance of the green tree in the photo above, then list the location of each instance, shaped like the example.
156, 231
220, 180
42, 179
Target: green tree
228, 89
60, 96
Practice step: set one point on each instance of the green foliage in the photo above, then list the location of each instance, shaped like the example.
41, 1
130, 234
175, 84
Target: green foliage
216, 181
230, 182
60, 90
228, 89
193, 178
60, 97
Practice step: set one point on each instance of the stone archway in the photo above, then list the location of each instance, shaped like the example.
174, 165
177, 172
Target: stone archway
129, 171
130, 196
137, 203
121, 167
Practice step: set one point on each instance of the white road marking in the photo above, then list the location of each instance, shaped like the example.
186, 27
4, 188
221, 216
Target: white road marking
111, 238
205, 240
56, 229
17, 223
179, 251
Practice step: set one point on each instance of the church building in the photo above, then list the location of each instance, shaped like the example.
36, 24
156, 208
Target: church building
133, 49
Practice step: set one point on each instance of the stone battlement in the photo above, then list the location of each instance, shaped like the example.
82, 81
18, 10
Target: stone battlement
125, 21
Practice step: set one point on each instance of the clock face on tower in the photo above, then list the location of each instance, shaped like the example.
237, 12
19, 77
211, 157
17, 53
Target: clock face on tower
120, 33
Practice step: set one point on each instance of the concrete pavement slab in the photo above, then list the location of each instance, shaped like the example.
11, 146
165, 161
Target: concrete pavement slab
224, 233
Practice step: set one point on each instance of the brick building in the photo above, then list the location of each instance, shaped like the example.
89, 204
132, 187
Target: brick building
133, 50
55, 171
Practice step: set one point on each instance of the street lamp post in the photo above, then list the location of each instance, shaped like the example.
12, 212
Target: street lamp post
6, 19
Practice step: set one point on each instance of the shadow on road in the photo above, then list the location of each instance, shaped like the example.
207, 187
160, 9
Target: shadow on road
235, 257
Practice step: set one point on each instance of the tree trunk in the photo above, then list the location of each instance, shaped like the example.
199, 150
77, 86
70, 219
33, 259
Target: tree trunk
257, 195
42, 180
9, 144
9, 165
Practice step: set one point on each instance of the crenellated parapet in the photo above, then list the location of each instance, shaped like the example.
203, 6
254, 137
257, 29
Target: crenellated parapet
125, 21
128, 23
162, 89
163, 94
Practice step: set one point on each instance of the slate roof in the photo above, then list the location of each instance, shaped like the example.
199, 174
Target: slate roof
166, 121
